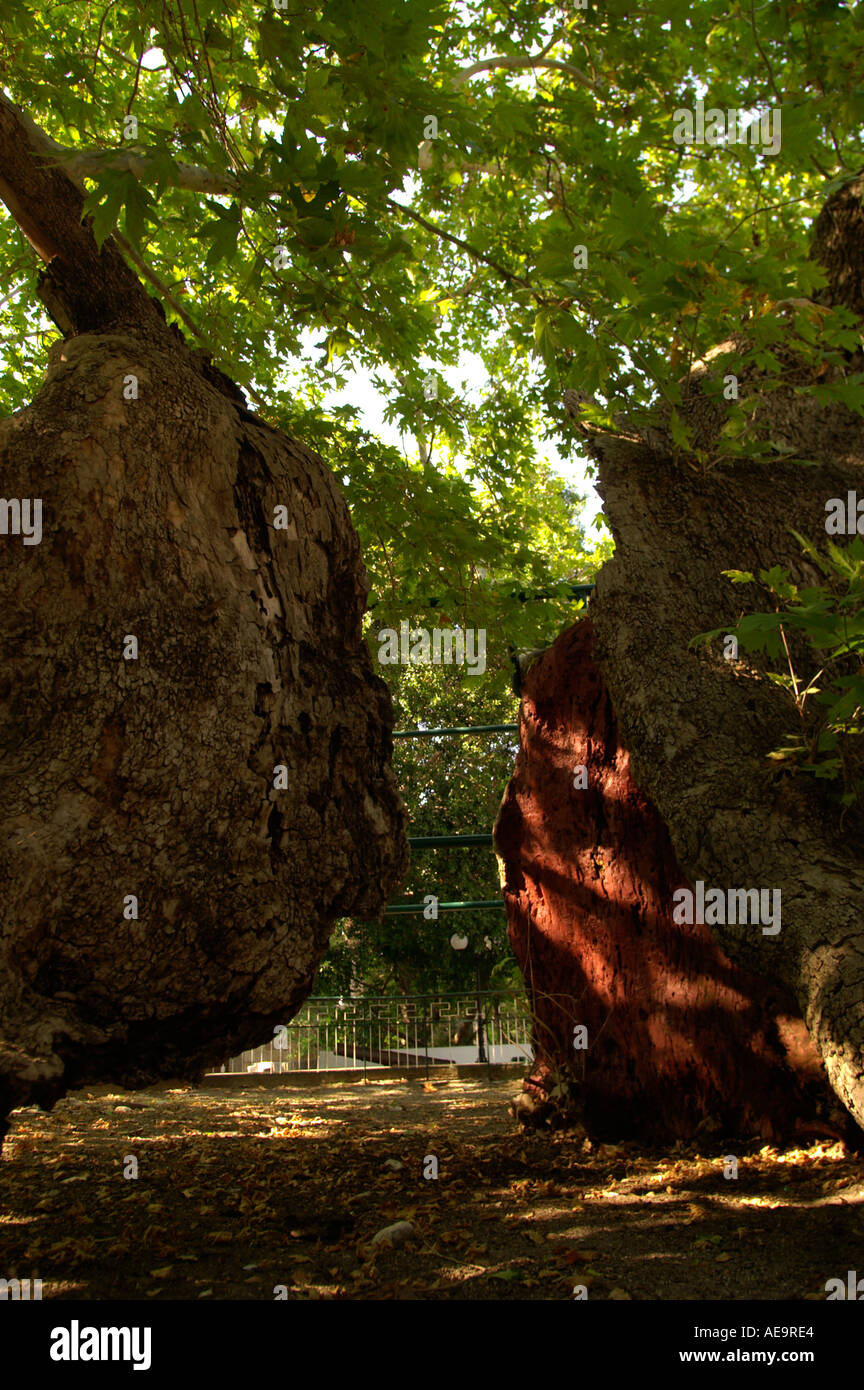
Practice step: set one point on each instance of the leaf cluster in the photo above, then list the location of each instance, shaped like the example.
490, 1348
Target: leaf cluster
826, 684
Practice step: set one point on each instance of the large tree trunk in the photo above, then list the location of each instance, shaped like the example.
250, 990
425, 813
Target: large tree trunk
154, 778
698, 728
677, 1036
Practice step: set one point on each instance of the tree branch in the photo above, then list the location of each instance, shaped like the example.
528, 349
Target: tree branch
161, 288
535, 60
87, 164
472, 250
84, 288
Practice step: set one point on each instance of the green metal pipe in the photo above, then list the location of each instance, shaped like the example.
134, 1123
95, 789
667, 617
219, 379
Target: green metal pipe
440, 841
476, 729
447, 907
576, 591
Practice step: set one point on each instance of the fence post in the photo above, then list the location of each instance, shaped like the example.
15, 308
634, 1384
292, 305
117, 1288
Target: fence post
481, 1046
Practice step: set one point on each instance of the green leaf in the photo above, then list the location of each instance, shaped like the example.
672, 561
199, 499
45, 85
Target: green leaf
679, 431
104, 204
223, 232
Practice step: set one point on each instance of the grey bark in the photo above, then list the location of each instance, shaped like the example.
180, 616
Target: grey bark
155, 777
698, 728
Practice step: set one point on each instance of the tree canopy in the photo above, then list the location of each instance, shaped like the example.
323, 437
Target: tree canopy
404, 185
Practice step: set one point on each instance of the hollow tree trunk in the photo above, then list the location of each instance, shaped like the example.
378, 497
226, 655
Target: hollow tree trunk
698, 729
165, 893
676, 1036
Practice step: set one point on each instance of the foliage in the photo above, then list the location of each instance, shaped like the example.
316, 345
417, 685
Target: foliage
828, 692
281, 185
554, 129
451, 785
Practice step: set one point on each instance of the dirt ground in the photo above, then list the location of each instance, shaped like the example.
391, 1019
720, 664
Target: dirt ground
241, 1191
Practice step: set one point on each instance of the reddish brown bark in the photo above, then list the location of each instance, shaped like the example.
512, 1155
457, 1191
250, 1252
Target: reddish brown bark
678, 1036
700, 730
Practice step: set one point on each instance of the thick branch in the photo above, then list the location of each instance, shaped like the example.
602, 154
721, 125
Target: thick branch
81, 164
84, 289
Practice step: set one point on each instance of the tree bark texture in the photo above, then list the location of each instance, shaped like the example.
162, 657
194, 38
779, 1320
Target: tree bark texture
698, 728
155, 778
679, 1039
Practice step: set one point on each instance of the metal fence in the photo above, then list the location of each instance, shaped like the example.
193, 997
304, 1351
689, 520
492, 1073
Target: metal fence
375, 1031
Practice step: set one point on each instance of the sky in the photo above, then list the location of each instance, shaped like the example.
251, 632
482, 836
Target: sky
371, 403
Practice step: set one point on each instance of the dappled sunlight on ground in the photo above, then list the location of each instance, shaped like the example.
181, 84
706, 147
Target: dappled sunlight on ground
241, 1191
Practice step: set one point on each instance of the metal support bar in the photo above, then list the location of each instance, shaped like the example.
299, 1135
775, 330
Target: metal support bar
576, 591
440, 841
477, 729
571, 591
447, 907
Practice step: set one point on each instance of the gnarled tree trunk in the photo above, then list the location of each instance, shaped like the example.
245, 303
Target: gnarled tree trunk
676, 1036
698, 728
183, 815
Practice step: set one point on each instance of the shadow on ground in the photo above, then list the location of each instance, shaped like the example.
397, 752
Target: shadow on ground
241, 1191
